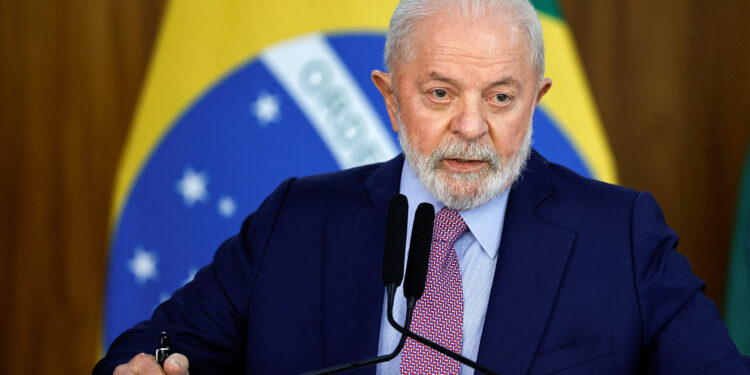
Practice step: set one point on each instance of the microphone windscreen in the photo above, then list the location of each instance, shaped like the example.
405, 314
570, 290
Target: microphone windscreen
419, 251
395, 240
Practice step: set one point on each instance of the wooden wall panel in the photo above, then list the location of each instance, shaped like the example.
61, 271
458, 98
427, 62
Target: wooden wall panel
672, 83
70, 76
671, 79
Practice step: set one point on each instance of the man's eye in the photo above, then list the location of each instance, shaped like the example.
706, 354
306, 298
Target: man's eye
502, 98
439, 94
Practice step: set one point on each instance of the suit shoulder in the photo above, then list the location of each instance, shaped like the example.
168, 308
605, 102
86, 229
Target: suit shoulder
338, 193
571, 180
333, 184
583, 194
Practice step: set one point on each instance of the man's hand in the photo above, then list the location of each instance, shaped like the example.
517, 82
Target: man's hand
145, 364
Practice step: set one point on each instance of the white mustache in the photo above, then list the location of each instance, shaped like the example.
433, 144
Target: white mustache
467, 151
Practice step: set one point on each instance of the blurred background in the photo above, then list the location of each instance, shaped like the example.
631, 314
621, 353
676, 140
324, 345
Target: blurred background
671, 81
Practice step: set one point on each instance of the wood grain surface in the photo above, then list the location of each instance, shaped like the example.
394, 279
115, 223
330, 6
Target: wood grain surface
671, 79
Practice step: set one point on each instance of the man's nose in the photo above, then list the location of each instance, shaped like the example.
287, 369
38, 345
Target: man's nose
470, 121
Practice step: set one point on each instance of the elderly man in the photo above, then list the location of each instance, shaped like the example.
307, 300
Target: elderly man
533, 269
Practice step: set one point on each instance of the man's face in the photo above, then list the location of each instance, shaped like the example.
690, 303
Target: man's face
466, 97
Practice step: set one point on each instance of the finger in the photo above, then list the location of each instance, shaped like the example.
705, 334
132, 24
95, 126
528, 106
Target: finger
176, 364
144, 364
123, 369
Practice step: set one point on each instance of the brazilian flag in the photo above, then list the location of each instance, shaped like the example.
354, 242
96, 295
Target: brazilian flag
242, 94
737, 309
569, 104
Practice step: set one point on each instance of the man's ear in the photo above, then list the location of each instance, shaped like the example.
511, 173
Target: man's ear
384, 82
544, 85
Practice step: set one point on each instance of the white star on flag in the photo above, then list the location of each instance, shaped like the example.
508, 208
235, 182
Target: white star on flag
227, 207
266, 108
143, 265
192, 187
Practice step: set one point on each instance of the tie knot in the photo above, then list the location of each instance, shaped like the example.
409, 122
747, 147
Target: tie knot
448, 226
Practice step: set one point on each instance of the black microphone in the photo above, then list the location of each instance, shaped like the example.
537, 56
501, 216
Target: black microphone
393, 273
419, 253
395, 240
415, 279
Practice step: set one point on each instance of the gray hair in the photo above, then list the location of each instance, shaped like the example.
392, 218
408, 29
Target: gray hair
398, 46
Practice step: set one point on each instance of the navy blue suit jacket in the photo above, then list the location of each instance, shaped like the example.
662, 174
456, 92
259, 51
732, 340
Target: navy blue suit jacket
587, 282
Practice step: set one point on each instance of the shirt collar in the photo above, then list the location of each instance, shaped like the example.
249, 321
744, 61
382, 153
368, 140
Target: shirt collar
485, 222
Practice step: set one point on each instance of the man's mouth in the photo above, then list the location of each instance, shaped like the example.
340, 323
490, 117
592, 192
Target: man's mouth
459, 165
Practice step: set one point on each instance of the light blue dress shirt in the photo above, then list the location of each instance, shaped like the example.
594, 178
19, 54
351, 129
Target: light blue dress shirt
477, 256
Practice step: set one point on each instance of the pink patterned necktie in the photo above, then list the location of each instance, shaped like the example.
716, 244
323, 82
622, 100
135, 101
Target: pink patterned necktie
438, 315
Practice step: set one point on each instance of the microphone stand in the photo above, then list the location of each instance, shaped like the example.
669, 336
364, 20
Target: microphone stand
410, 303
391, 290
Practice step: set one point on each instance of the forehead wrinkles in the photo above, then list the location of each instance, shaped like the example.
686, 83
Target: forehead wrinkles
481, 42
456, 67
448, 55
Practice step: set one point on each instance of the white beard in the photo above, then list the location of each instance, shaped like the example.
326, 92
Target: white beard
466, 190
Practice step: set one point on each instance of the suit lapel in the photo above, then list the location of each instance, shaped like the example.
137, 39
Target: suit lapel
532, 259
352, 283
